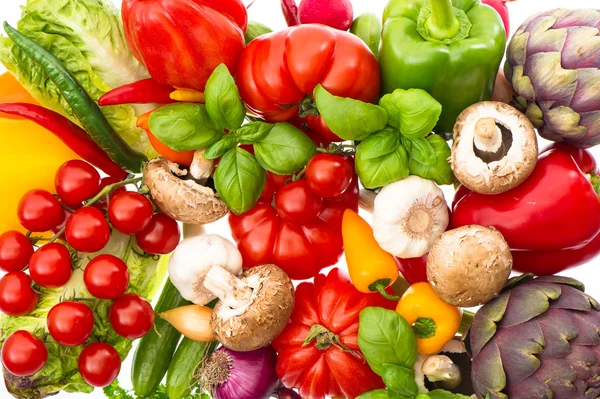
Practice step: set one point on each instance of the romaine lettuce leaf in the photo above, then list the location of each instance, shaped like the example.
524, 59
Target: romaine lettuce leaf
60, 371
87, 36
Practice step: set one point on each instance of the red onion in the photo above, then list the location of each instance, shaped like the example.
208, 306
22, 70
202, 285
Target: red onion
240, 375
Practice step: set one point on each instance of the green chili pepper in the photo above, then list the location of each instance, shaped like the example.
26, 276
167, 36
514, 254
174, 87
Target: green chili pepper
86, 109
452, 52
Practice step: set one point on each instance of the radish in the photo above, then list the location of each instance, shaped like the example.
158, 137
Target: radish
335, 13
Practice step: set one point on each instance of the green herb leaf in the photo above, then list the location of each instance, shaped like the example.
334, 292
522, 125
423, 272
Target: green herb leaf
349, 119
441, 394
429, 159
385, 337
253, 132
412, 111
424, 327
367, 27
219, 148
400, 379
285, 149
223, 101
184, 126
375, 394
254, 30
239, 180
381, 159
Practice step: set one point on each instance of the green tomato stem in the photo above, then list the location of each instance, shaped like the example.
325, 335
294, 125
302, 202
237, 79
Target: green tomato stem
108, 189
442, 24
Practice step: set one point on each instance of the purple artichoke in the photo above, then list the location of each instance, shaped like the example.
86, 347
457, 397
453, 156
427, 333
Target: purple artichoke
538, 339
553, 63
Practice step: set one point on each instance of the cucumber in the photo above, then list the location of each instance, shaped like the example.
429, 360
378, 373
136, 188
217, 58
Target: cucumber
153, 354
185, 364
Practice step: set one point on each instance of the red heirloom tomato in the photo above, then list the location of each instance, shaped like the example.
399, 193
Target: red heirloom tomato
17, 298
50, 266
99, 364
297, 204
15, 251
279, 70
23, 354
322, 369
181, 42
70, 323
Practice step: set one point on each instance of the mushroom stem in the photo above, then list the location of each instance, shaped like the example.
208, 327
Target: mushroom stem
366, 200
201, 169
440, 368
488, 137
232, 291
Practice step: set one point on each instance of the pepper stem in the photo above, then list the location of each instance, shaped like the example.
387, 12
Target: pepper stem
424, 327
380, 286
442, 24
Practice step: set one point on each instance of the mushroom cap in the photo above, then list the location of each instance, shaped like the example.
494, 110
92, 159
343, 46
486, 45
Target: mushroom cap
469, 266
182, 200
264, 318
500, 175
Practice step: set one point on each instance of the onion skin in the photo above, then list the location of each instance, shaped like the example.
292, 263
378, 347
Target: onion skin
192, 321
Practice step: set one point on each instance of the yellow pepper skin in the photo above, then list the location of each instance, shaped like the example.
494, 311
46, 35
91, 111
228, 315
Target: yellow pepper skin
419, 306
371, 269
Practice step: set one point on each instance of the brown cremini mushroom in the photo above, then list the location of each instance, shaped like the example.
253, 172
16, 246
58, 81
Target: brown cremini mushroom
495, 148
182, 194
469, 266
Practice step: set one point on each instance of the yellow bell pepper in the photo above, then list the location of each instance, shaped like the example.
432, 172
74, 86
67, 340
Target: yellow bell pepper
434, 321
29, 155
371, 269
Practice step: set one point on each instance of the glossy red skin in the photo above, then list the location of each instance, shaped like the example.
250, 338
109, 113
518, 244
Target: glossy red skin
87, 230
131, 316
328, 175
70, 323
76, 181
99, 364
181, 42
297, 204
40, 211
300, 250
278, 70
50, 266
414, 270
107, 181
160, 237
17, 298
555, 208
333, 302
130, 212
15, 251
23, 354
500, 7
106, 277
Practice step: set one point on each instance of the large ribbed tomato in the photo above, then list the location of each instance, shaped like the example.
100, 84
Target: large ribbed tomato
279, 71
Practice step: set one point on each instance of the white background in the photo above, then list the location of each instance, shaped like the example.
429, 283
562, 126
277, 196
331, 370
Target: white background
268, 12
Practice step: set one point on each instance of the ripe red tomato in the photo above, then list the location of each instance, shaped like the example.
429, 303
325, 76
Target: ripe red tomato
99, 364
329, 175
15, 251
130, 212
297, 204
106, 277
50, 266
23, 354
40, 211
160, 237
76, 181
131, 316
17, 298
70, 323
87, 230
107, 181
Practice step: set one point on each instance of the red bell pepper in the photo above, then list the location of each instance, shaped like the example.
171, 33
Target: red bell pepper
145, 91
551, 221
318, 351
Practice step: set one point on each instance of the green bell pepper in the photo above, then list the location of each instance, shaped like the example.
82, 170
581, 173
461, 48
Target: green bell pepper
452, 52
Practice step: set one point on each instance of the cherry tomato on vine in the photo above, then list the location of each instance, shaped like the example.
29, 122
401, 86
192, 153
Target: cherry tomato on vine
70, 323
99, 364
297, 204
329, 175
131, 316
23, 354
105, 182
15, 251
87, 230
61, 226
106, 277
76, 181
17, 298
130, 212
50, 266
40, 211
160, 237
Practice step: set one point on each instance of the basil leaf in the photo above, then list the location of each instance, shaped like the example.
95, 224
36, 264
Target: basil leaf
253, 132
239, 180
375, 394
429, 159
285, 150
220, 147
184, 126
254, 30
223, 101
441, 394
400, 379
349, 119
385, 337
381, 159
414, 111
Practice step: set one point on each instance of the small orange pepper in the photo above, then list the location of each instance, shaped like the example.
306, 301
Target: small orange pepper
183, 158
434, 321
